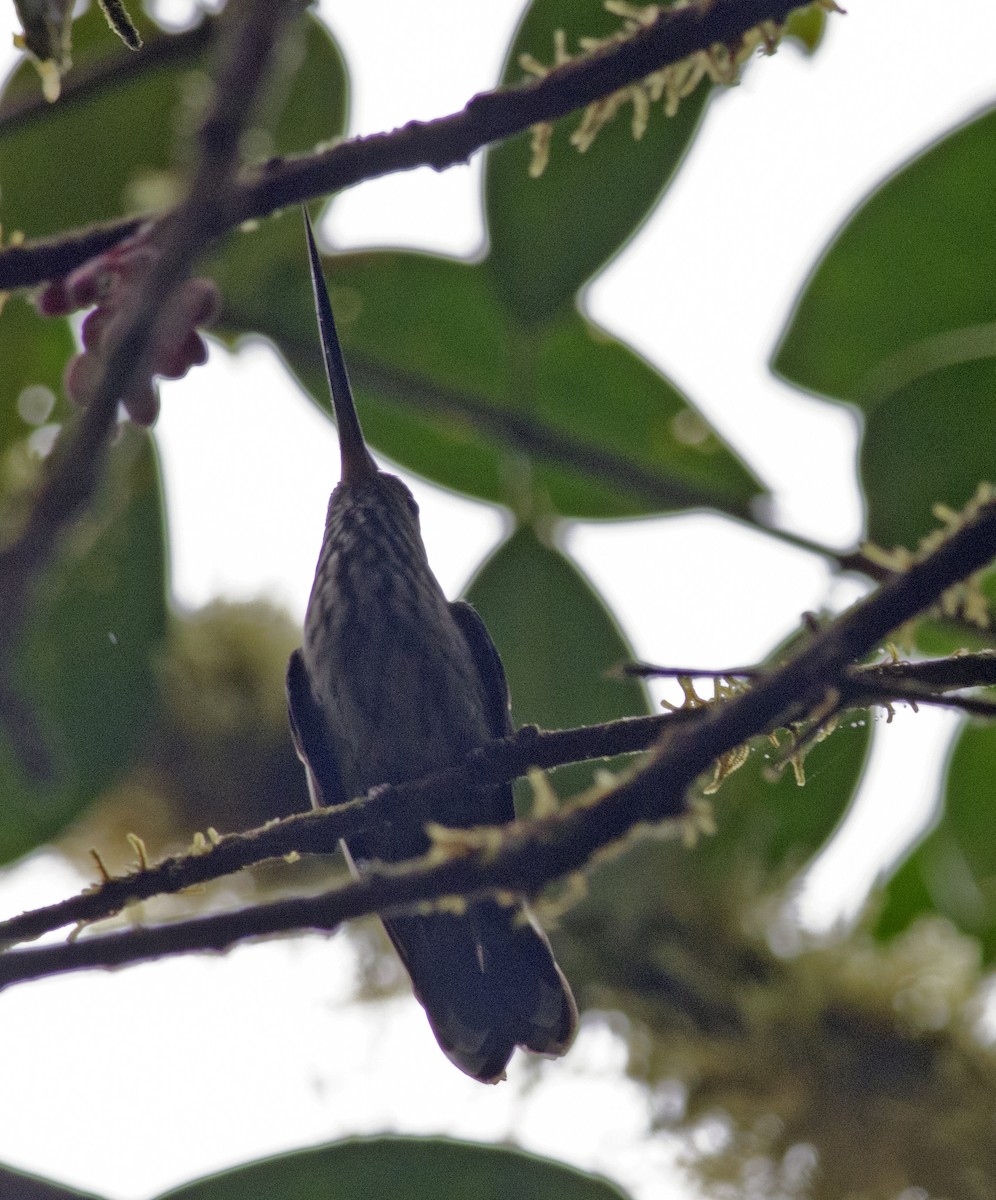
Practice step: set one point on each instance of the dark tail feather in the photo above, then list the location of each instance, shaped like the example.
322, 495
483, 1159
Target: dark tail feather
488, 983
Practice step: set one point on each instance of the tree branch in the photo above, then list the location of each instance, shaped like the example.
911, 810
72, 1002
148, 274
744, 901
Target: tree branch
869, 681
318, 832
441, 143
522, 857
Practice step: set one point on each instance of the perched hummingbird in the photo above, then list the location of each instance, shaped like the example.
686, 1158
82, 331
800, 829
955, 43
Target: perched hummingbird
393, 682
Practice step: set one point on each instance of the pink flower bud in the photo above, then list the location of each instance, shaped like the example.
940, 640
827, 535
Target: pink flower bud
53, 299
110, 281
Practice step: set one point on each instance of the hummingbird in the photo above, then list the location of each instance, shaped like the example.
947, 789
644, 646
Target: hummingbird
391, 683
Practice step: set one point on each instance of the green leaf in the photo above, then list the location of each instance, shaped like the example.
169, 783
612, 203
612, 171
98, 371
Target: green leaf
768, 826
607, 397
952, 872
907, 895
85, 666
929, 442
417, 1168
120, 145
549, 235
557, 641
34, 351
806, 26
906, 287
18, 1185
449, 388
938, 636
774, 826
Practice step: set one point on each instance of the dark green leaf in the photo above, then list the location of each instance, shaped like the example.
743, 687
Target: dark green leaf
34, 351
557, 641
953, 870
306, 100
75, 162
768, 827
607, 397
774, 826
416, 1168
16, 1185
907, 895
86, 667
120, 145
560, 417
929, 442
907, 285
938, 636
549, 235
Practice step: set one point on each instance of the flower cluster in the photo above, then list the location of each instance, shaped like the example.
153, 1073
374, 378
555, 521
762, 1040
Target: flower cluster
110, 282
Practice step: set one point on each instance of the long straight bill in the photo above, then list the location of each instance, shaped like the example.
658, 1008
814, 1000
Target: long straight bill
357, 462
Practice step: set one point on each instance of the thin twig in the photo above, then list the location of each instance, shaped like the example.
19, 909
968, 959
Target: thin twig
446, 141
971, 706
642, 670
522, 857
877, 679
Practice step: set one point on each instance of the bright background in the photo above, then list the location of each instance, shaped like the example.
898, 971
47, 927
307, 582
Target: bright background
130, 1082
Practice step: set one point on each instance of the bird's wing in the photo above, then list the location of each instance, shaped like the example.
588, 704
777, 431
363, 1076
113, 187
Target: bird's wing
311, 739
501, 807
489, 668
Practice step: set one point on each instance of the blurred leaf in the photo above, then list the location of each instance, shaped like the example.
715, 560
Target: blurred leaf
86, 666
952, 872
548, 235
907, 285
417, 1168
557, 640
774, 826
927, 444
608, 397
441, 384
306, 98
806, 26
117, 146
71, 163
17, 1185
768, 827
34, 351
937, 636
907, 894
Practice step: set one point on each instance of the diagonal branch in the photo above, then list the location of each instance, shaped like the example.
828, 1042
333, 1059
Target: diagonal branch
522, 857
441, 143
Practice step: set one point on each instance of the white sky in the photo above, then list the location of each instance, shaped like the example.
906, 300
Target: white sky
249, 465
